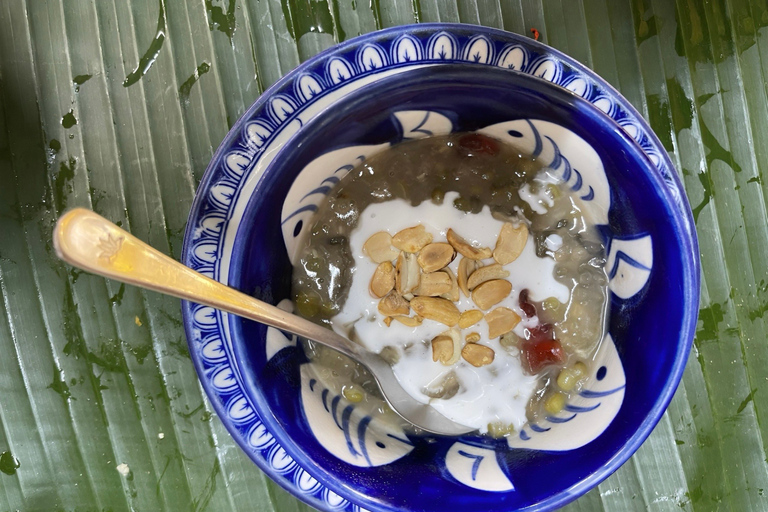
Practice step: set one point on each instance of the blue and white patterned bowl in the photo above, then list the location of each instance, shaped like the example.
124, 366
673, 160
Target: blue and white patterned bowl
343, 106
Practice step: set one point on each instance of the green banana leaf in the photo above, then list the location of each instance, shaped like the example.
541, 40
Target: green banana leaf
118, 106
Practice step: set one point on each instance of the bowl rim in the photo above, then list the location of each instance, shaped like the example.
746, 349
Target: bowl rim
585, 108
689, 243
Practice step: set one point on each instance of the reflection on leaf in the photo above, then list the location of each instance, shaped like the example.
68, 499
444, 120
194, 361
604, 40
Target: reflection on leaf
152, 52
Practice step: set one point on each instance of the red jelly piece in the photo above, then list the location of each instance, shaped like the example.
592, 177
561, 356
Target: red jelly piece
474, 144
528, 308
542, 353
541, 332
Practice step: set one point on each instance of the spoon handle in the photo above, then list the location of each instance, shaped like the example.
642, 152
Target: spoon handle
86, 240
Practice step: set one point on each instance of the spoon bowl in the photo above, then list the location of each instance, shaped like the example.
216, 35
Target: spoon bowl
88, 241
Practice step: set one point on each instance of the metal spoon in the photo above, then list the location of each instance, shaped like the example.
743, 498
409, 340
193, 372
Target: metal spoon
88, 241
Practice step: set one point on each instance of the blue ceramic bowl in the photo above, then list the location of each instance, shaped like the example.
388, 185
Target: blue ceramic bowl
278, 162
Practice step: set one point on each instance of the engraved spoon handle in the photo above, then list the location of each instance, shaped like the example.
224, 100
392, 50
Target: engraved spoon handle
86, 240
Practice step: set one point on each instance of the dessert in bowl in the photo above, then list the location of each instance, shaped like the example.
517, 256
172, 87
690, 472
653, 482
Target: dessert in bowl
308, 419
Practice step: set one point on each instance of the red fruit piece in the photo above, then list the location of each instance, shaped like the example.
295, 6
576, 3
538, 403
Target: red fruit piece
528, 308
538, 354
474, 143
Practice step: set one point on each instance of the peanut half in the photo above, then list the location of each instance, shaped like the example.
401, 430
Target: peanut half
472, 337
440, 352
510, 243
501, 321
491, 293
486, 273
409, 321
442, 349
477, 355
469, 318
393, 304
453, 294
406, 273
411, 239
434, 284
437, 309
435, 256
379, 247
465, 249
467, 267
383, 279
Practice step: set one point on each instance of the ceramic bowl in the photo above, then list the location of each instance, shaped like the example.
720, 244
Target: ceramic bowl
354, 100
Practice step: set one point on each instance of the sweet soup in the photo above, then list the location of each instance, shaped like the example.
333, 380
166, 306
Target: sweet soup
470, 268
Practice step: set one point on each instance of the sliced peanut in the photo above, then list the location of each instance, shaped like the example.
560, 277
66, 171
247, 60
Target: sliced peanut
379, 247
409, 321
433, 284
393, 304
457, 344
467, 267
442, 349
465, 249
411, 239
477, 355
437, 309
455, 337
436, 256
501, 321
406, 273
453, 294
383, 279
486, 273
510, 243
491, 293
469, 318
472, 337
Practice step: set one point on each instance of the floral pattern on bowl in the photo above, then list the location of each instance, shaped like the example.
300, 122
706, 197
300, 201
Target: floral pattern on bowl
280, 113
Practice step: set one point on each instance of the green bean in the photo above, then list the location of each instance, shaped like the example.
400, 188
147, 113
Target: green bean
554, 403
307, 305
438, 195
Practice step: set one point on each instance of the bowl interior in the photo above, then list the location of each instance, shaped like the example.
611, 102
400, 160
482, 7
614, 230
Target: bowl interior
650, 330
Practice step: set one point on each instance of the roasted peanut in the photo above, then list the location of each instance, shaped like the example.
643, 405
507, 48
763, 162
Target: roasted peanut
477, 355
434, 284
510, 243
467, 266
469, 318
486, 273
491, 293
437, 309
410, 321
435, 256
393, 304
406, 273
453, 294
501, 321
379, 247
383, 279
442, 349
466, 249
411, 239
446, 347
